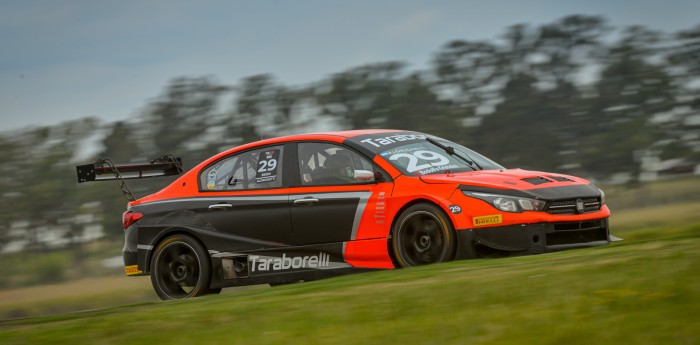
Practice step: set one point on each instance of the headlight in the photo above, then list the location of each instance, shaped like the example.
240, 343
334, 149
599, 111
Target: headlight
509, 203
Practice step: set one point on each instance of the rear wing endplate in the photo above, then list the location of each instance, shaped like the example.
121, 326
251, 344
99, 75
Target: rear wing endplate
104, 170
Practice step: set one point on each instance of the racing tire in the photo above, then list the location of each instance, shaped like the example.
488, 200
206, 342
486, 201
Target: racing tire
422, 235
180, 268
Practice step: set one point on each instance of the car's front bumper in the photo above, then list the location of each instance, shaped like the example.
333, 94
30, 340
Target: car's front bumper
523, 239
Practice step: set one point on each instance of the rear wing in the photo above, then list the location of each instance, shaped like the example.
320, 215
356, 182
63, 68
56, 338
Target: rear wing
104, 170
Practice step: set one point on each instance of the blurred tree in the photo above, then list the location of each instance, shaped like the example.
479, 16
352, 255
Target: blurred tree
264, 109
380, 96
254, 96
351, 96
9, 184
563, 47
120, 145
178, 118
515, 57
412, 105
519, 134
522, 131
684, 58
560, 52
465, 73
632, 89
554, 97
686, 52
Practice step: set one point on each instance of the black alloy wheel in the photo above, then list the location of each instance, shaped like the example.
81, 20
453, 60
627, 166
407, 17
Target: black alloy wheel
181, 268
422, 235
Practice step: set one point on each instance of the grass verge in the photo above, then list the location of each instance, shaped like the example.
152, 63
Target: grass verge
644, 290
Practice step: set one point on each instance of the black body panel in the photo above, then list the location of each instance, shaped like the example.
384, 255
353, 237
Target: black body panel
130, 250
333, 218
259, 218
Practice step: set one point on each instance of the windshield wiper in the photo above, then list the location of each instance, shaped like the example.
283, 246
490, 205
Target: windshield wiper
451, 151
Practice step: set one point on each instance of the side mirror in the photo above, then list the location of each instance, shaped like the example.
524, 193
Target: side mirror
363, 175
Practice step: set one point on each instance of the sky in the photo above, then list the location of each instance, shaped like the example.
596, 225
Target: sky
64, 60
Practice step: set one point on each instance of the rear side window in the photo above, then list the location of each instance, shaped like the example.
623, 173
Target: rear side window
255, 169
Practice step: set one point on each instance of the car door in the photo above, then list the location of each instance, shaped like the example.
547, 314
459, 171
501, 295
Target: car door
336, 186
244, 196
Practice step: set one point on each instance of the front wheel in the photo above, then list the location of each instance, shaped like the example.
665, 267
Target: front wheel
422, 235
180, 268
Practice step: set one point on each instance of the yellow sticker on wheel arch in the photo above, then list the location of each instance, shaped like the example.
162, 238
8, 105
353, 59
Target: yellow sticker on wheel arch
487, 220
131, 270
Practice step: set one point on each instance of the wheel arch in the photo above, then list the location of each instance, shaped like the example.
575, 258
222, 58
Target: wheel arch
165, 233
420, 200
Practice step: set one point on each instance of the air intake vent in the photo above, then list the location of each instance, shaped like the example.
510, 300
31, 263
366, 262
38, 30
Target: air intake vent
536, 180
560, 178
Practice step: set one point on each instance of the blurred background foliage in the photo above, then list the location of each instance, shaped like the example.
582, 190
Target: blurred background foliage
575, 96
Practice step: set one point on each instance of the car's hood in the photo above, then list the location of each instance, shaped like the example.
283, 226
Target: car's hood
506, 179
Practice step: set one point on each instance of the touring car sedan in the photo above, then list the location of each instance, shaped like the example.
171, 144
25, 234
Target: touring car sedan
309, 206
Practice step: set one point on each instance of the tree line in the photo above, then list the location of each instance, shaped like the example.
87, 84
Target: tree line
574, 96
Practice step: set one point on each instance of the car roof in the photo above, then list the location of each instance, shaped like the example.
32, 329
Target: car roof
341, 134
337, 136
191, 175
359, 132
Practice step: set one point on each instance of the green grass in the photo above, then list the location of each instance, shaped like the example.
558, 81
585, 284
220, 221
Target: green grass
672, 191
645, 290
82, 294
53, 266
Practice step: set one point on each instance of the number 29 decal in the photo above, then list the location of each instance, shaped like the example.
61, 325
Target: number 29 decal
267, 166
434, 159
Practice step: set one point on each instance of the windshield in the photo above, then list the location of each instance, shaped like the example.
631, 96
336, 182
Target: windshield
414, 154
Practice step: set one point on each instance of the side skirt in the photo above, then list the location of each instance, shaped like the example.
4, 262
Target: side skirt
279, 265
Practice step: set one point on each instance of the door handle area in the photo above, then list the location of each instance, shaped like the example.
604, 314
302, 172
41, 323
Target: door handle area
220, 206
305, 201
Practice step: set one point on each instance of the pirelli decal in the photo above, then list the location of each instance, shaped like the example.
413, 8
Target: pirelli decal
131, 270
488, 220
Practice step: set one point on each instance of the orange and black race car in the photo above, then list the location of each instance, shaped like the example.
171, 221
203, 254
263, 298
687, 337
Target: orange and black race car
309, 206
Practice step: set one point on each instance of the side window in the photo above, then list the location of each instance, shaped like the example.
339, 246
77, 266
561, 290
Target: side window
254, 169
331, 164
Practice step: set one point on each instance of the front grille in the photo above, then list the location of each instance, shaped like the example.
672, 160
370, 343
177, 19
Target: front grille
578, 232
569, 206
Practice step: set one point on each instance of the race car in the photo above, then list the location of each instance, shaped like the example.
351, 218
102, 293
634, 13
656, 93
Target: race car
309, 206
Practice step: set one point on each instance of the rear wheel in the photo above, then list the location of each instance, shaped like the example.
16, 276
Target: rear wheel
180, 268
422, 235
